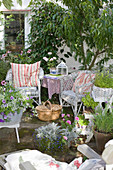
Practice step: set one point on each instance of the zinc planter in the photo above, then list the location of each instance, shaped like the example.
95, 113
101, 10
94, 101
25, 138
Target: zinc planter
101, 139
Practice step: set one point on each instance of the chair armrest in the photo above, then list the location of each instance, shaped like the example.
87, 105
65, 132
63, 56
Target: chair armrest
41, 73
9, 77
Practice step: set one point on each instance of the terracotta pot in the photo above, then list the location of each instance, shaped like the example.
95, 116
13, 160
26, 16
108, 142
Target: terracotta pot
101, 140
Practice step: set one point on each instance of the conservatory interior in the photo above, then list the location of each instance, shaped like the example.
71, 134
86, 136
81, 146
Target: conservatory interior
56, 93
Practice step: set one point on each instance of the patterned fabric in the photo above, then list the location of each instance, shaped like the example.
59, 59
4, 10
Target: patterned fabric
39, 161
25, 74
83, 81
53, 86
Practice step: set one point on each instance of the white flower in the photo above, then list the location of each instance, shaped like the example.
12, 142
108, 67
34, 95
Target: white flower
51, 59
49, 53
54, 58
45, 58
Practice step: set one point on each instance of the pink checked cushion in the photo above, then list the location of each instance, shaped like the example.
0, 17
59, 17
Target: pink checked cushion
82, 79
25, 75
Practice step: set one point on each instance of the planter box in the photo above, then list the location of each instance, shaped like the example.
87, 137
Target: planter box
101, 94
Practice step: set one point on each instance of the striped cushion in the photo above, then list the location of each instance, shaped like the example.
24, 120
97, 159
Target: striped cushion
81, 80
25, 75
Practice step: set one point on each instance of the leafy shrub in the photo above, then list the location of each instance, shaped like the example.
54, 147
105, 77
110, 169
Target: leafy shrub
4, 67
89, 102
104, 79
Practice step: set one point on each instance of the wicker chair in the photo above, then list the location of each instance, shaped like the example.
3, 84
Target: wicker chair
67, 96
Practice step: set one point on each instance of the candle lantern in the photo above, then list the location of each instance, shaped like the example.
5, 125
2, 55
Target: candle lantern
62, 68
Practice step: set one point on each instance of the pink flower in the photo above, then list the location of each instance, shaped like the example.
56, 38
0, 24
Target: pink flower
21, 53
77, 118
68, 115
62, 115
3, 83
68, 121
65, 137
63, 119
8, 52
4, 55
29, 51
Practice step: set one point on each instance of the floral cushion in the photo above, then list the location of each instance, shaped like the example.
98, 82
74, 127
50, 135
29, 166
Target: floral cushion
84, 80
25, 75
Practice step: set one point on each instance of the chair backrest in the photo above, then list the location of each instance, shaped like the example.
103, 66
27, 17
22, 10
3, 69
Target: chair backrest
9, 76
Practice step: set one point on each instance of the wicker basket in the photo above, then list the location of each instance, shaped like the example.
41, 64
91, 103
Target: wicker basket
48, 111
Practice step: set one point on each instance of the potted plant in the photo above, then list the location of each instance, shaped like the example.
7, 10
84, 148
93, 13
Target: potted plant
103, 85
51, 63
89, 105
12, 101
103, 125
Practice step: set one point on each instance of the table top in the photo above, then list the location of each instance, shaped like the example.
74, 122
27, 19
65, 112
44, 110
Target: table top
53, 76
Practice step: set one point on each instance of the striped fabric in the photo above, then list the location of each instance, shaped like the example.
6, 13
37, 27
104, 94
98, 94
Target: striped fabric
82, 80
25, 75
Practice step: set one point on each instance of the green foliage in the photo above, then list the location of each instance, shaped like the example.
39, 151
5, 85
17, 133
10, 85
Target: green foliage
88, 101
103, 119
47, 31
89, 24
4, 67
82, 121
9, 3
104, 79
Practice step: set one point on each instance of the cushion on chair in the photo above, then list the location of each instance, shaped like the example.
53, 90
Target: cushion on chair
70, 97
30, 91
82, 80
25, 75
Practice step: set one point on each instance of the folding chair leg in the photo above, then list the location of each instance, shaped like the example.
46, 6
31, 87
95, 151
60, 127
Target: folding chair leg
80, 107
74, 108
17, 134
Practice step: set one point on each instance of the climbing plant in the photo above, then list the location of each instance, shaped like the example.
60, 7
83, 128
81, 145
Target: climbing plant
47, 31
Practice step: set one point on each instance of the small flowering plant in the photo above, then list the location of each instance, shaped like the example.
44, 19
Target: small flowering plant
51, 61
69, 127
49, 138
23, 57
12, 101
103, 118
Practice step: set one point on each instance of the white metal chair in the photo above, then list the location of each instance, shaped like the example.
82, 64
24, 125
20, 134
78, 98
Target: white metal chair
67, 96
34, 92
